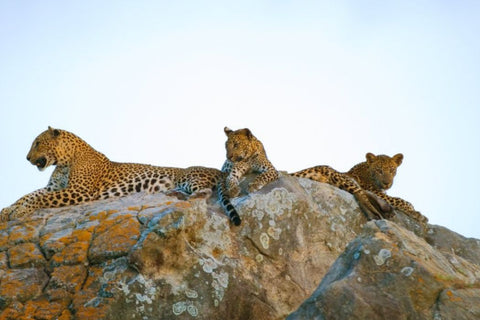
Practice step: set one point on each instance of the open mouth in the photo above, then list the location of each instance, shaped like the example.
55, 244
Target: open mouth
41, 163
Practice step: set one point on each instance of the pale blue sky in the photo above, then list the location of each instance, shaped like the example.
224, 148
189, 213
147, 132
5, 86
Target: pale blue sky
319, 82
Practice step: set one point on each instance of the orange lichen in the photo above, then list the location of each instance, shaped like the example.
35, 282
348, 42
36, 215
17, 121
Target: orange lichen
452, 296
13, 312
83, 308
44, 309
71, 254
69, 278
75, 236
22, 284
82, 235
183, 205
66, 315
23, 233
216, 252
91, 313
114, 241
25, 255
3, 239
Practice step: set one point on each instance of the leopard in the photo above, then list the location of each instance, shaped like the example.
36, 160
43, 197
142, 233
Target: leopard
83, 174
376, 175
371, 205
368, 182
245, 154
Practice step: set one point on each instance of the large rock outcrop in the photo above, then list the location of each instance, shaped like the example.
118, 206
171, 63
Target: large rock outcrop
303, 251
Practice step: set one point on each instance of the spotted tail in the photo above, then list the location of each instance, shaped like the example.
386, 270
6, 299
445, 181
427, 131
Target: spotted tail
227, 205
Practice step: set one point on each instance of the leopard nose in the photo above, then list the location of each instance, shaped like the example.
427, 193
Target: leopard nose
28, 158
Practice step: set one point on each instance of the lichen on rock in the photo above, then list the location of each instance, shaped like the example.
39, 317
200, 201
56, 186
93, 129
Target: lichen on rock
159, 257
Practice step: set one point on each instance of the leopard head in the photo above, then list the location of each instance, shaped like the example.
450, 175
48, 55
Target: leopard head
382, 169
241, 144
45, 149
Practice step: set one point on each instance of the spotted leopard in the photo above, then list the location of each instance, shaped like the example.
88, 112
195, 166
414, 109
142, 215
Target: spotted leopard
245, 153
373, 176
83, 174
376, 174
370, 204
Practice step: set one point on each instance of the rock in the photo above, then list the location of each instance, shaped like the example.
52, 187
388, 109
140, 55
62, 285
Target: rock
390, 273
160, 257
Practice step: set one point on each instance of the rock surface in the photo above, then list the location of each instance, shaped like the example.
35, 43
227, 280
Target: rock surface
160, 257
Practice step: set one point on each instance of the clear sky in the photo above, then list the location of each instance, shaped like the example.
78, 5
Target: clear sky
319, 82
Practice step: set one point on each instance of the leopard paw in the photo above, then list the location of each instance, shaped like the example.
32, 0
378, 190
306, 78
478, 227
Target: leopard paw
203, 193
14, 212
255, 186
180, 195
5, 213
418, 216
233, 190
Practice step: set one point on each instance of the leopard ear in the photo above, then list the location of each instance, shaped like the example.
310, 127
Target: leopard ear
227, 130
247, 132
370, 157
53, 132
398, 158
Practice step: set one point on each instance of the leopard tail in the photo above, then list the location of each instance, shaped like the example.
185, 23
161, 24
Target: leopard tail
227, 205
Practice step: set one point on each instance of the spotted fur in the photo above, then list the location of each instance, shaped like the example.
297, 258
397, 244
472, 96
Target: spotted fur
83, 174
371, 205
374, 176
245, 153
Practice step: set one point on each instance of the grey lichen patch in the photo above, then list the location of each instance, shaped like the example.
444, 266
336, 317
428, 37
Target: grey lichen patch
382, 256
265, 240
215, 234
221, 277
407, 271
139, 291
219, 285
259, 214
219, 290
274, 204
190, 293
274, 232
179, 308
192, 310
208, 265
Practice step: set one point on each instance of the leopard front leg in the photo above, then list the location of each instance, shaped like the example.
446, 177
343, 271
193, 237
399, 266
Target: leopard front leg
26, 205
403, 205
198, 182
372, 206
42, 198
264, 178
236, 171
7, 212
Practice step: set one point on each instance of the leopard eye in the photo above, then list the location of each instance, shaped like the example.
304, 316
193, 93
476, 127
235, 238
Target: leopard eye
37, 144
